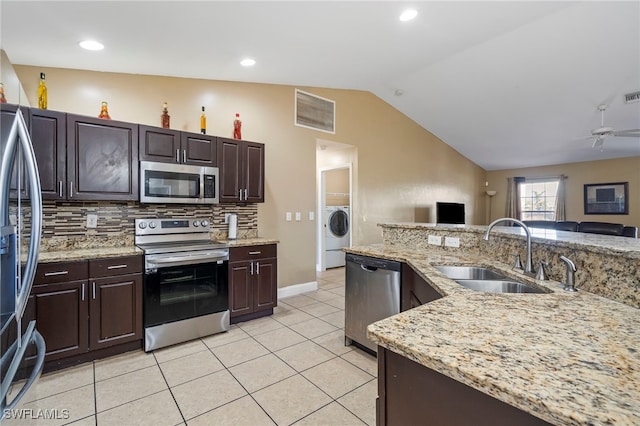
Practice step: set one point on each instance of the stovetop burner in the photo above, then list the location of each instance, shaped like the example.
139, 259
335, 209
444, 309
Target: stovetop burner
156, 236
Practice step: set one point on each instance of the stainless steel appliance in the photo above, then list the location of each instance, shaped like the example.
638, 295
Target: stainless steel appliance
185, 287
178, 183
372, 293
17, 279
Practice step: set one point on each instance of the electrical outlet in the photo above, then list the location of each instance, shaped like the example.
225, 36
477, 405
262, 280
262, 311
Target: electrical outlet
226, 217
451, 242
435, 240
288, 216
312, 216
298, 216
92, 220
13, 219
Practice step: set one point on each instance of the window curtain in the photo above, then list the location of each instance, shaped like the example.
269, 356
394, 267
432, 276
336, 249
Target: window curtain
513, 197
561, 208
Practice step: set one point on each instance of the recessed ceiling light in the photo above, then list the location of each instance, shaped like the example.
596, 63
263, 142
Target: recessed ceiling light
91, 45
247, 62
408, 15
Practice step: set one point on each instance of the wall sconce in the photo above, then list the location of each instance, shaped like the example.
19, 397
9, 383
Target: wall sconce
490, 194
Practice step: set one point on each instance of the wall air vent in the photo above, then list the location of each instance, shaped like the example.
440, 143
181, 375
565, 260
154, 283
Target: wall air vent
314, 112
633, 97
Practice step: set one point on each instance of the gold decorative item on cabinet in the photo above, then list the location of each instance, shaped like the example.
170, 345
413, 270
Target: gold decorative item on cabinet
42, 93
165, 117
203, 123
104, 111
237, 127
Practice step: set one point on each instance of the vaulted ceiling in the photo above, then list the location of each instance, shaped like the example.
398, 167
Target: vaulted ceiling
508, 84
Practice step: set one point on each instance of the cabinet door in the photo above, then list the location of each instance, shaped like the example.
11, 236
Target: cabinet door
158, 144
49, 138
240, 289
115, 310
265, 284
7, 115
62, 317
102, 159
253, 169
199, 150
415, 291
230, 163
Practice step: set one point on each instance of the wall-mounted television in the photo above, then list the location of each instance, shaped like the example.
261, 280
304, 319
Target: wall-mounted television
449, 213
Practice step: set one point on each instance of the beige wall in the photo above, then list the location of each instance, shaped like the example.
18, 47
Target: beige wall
337, 187
401, 169
13, 91
579, 174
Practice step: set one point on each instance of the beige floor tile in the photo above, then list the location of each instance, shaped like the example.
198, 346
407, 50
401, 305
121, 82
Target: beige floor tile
261, 372
332, 414
313, 328
291, 399
279, 339
87, 421
362, 402
243, 411
152, 410
319, 309
337, 290
362, 360
66, 407
337, 302
179, 350
206, 393
299, 301
327, 285
336, 377
334, 342
238, 352
56, 382
322, 295
304, 355
190, 367
128, 387
259, 326
219, 339
122, 364
291, 316
336, 318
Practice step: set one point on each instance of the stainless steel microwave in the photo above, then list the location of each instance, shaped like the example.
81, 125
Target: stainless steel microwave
178, 183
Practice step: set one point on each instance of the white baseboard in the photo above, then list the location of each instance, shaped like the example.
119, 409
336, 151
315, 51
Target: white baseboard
296, 289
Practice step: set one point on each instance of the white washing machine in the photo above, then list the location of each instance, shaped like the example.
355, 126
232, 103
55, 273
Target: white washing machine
336, 231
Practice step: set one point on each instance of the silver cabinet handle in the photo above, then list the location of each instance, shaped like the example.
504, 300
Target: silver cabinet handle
116, 266
53, 274
258, 268
254, 252
94, 290
177, 155
240, 195
71, 189
245, 194
60, 185
83, 292
184, 155
251, 268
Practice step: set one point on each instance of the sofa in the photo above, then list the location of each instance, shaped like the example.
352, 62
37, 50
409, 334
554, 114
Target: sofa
603, 228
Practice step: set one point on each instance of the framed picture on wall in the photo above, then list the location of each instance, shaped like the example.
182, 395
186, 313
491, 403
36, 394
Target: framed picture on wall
606, 198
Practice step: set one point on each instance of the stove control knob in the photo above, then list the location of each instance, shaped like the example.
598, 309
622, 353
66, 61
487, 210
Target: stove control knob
196, 223
142, 225
205, 223
152, 225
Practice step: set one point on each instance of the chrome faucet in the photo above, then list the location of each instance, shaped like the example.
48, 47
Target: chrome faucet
528, 267
570, 285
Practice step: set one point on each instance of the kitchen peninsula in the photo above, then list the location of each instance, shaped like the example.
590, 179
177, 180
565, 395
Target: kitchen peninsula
559, 357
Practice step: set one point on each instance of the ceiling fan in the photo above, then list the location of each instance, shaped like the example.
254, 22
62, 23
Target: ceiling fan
602, 132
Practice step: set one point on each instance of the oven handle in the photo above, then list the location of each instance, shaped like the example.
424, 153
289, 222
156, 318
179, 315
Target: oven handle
165, 262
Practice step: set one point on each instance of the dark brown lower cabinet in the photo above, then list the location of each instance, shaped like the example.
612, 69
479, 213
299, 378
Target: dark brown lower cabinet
412, 394
415, 291
253, 281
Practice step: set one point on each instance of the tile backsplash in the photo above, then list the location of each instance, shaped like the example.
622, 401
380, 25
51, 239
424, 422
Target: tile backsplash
64, 224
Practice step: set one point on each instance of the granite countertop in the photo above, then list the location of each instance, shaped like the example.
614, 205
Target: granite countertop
568, 358
90, 251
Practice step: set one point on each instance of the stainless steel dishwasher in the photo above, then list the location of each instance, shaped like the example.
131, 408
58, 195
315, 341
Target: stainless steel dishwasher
372, 293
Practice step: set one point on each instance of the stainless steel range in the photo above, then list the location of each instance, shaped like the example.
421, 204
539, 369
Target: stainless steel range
186, 289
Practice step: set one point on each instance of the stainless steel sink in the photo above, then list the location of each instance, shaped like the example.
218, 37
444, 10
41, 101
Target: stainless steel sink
482, 279
470, 273
498, 286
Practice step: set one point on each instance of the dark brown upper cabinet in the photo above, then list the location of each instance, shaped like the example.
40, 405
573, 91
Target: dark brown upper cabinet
102, 158
49, 138
173, 146
241, 171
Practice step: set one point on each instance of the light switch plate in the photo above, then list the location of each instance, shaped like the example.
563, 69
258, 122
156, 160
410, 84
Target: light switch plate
435, 240
298, 216
92, 220
312, 216
451, 242
288, 216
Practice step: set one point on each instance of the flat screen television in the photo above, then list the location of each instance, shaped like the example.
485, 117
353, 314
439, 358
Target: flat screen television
449, 213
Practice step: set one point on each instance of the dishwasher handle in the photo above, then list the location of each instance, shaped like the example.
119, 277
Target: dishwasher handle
369, 268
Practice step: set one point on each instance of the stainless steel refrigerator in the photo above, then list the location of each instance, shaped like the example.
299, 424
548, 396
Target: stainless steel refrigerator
20, 232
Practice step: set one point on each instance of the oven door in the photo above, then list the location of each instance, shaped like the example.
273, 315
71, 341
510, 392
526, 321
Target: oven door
180, 292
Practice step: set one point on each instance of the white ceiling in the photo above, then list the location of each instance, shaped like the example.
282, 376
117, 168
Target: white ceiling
507, 84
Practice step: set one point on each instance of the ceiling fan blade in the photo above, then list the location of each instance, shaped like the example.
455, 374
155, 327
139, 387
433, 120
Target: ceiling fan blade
598, 142
630, 133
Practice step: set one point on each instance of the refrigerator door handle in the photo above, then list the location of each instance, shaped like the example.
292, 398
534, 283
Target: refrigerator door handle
18, 351
19, 134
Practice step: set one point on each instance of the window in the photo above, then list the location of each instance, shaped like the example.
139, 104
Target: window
538, 199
